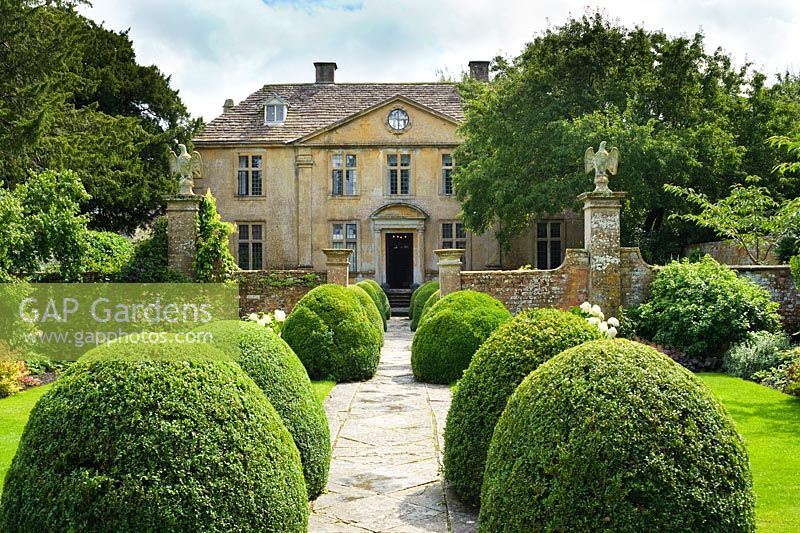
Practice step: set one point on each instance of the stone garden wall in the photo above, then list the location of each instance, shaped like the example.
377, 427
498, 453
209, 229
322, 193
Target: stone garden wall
267, 290
777, 279
727, 253
563, 287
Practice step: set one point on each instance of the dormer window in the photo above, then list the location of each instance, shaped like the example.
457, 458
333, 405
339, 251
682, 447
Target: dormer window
275, 112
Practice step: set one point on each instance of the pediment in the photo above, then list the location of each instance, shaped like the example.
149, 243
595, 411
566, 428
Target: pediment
370, 126
399, 210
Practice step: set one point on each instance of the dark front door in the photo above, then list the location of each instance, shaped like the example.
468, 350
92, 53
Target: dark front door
399, 260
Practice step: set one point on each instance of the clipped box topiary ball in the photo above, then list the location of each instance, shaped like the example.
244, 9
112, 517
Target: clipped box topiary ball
512, 352
138, 445
418, 300
277, 371
430, 301
366, 301
375, 295
451, 332
383, 306
614, 436
331, 333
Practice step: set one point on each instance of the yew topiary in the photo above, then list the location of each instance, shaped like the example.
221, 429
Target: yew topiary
330, 332
418, 300
277, 371
154, 445
374, 314
613, 436
450, 334
382, 300
512, 352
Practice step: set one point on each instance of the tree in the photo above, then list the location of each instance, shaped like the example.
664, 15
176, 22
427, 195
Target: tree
679, 115
74, 98
749, 216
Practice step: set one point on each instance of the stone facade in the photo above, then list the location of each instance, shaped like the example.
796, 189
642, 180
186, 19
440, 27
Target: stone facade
297, 206
276, 289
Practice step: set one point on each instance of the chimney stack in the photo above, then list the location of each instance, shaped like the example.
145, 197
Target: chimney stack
325, 72
228, 105
479, 70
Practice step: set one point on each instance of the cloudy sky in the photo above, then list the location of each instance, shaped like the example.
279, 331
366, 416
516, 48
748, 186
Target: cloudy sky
228, 49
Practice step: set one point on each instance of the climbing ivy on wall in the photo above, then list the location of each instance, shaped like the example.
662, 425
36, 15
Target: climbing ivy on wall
213, 261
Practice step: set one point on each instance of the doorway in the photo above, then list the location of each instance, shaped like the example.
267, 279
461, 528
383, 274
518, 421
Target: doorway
399, 260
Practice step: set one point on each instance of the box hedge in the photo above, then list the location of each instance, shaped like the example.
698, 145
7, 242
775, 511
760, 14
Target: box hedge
613, 436
450, 334
383, 304
277, 371
418, 299
378, 298
512, 352
374, 314
429, 302
164, 445
330, 332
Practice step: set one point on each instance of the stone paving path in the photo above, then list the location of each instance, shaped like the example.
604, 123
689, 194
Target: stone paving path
387, 441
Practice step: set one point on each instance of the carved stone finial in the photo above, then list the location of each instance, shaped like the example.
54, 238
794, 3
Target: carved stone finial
186, 166
601, 162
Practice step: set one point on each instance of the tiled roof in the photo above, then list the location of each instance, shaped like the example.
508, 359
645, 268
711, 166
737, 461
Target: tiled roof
315, 106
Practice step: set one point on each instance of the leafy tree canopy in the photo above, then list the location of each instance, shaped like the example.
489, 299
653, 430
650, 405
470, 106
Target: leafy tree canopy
74, 98
679, 115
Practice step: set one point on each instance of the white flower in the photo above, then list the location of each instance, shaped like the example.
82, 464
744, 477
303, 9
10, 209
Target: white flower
613, 322
612, 332
603, 327
253, 317
280, 315
586, 307
264, 320
593, 320
595, 310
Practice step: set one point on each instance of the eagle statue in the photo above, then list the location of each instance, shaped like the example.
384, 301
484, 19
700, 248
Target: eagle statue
601, 162
187, 167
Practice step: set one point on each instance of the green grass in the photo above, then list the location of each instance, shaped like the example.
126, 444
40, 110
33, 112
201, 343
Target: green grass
14, 412
769, 421
322, 389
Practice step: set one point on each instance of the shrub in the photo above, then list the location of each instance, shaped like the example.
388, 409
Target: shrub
761, 350
11, 375
512, 352
146, 445
452, 331
376, 299
384, 300
703, 308
784, 377
330, 332
418, 300
366, 301
429, 302
277, 371
107, 253
613, 436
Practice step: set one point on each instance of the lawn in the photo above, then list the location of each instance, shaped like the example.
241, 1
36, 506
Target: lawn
770, 424
13, 416
322, 389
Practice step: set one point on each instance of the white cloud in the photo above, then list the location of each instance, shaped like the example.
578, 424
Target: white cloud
216, 50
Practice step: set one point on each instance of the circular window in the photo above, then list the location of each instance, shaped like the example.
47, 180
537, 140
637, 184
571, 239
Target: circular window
398, 119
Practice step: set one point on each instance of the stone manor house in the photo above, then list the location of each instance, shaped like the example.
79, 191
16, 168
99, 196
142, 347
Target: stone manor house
366, 166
